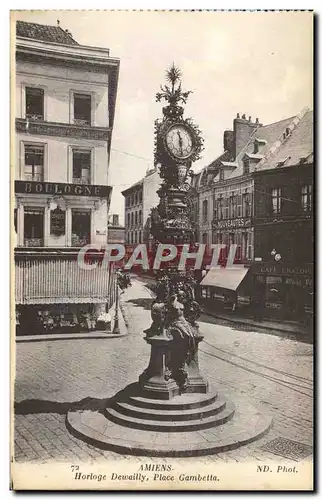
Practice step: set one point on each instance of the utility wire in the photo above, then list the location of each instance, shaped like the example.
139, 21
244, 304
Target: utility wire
131, 154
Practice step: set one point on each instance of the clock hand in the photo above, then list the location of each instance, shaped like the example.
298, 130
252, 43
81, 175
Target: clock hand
180, 140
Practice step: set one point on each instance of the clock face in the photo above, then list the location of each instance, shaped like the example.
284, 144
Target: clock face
179, 141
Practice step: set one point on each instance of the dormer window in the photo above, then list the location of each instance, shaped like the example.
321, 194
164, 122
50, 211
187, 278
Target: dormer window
221, 175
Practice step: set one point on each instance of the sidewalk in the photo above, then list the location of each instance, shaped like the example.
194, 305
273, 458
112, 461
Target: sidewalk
238, 317
235, 317
94, 334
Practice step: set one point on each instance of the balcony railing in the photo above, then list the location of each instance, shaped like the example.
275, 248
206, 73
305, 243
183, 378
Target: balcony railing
81, 180
34, 116
81, 121
80, 241
33, 242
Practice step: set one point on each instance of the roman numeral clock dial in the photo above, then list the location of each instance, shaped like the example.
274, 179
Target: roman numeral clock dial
179, 141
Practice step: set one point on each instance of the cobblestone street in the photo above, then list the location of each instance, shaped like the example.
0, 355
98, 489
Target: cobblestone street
273, 372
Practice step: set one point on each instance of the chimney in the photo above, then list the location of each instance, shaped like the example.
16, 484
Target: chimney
115, 220
242, 130
228, 142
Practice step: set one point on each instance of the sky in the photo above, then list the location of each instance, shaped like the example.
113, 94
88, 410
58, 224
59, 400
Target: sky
257, 63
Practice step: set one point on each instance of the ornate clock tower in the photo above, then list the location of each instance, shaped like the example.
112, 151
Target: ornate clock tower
163, 413
174, 333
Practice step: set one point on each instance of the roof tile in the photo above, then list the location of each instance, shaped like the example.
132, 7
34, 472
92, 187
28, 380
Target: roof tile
45, 33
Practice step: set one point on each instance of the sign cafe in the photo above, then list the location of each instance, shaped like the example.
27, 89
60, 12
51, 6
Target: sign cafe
307, 271
57, 188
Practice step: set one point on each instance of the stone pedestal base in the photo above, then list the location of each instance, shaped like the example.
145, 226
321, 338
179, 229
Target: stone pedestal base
157, 380
158, 417
186, 425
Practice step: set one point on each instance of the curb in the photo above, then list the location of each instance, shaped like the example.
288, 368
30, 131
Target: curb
263, 326
245, 321
68, 336
124, 315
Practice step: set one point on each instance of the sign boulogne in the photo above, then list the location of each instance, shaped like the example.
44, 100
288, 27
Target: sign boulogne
59, 188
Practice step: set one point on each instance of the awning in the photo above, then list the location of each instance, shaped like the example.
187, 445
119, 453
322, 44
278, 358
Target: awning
229, 278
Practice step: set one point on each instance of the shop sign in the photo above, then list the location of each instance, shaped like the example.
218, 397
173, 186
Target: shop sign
232, 223
284, 270
57, 222
59, 188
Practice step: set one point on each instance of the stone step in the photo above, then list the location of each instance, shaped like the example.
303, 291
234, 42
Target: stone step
126, 408
94, 428
173, 426
182, 402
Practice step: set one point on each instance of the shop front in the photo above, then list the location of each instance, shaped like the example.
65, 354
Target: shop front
52, 222
283, 290
226, 285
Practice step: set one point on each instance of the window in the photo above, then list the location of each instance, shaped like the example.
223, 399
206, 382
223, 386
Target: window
246, 205
204, 238
238, 250
128, 219
81, 227
220, 205
205, 210
276, 200
239, 205
140, 217
34, 103
231, 238
215, 207
34, 163
33, 227
136, 218
82, 109
226, 208
245, 246
246, 167
132, 218
307, 198
81, 167
140, 196
221, 175
232, 207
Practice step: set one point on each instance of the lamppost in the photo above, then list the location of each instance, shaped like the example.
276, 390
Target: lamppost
116, 328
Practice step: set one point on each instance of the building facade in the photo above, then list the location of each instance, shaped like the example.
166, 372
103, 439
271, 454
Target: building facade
284, 224
115, 230
140, 198
225, 188
65, 104
258, 196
